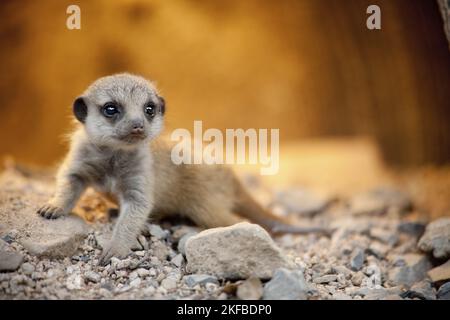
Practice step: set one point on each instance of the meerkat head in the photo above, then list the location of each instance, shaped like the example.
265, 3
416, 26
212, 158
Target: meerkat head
120, 111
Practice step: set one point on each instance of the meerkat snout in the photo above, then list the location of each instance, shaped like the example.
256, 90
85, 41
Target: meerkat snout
120, 111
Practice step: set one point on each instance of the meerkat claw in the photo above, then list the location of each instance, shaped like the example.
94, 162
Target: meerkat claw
112, 251
49, 211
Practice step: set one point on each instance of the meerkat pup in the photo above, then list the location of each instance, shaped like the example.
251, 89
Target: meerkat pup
114, 151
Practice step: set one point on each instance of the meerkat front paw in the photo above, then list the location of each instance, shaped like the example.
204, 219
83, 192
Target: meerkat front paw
50, 211
113, 250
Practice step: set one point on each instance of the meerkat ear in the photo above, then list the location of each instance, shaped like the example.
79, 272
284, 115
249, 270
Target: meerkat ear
80, 109
162, 104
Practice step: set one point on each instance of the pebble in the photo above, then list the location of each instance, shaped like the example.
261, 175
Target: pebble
422, 290
342, 270
157, 232
27, 268
160, 250
413, 268
326, 279
357, 259
178, 260
378, 249
286, 285
92, 276
196, 279
123, 264
136, 282
10, 261
437, 238
250, 289
74, 282
358, 278
143, 272
444, 292
415, 229
385, 236
169, 284
341, 296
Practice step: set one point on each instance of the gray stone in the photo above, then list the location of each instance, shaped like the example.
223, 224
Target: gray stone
343, 270
135, 282
250, 289
182, 243
236, 252
357, 259
325, 279
422, 290
143, 272
341, 296
376, 294
27, 268
384, 236
169, 284
92, 276
437, 238
444, 292
160, 250
413, 269
358, 278
10, 261
156, 231
378, 249
74, 282
194, 279
286, 285
178, 260
56, 238
415, 229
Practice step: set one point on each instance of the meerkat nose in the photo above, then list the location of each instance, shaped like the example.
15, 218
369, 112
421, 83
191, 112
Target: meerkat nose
137, 127
137, 130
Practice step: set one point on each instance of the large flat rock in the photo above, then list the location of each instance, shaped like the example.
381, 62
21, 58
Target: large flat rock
19, 199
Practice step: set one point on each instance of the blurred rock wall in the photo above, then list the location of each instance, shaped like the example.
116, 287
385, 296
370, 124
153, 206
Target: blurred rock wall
308, 67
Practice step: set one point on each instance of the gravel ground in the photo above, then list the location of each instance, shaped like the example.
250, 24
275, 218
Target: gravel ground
374, 251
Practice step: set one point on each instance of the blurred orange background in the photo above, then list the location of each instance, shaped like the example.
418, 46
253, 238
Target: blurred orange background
310, 68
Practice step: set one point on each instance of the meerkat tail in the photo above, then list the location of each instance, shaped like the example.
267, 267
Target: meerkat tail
247, 207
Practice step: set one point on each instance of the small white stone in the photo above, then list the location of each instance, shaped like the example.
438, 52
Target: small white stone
178, 260
74, 282
135, 283
92, 276
157, 232
133, 275
143, 272
169, 284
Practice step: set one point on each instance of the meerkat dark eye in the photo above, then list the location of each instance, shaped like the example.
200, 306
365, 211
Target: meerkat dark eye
110, 110
149, 110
